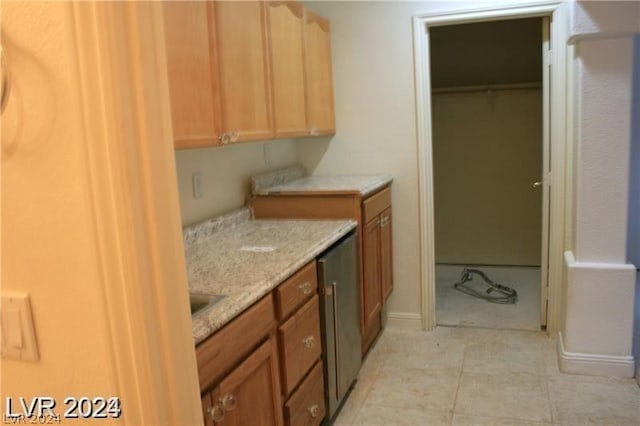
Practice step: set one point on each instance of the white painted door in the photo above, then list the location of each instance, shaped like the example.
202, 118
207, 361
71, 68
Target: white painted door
546, 170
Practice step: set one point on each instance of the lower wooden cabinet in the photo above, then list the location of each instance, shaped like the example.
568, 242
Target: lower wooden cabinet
300, 344
253, 364
373, 215
238, 369
207, 408
371, 290
306, 405
250, 394
386, 253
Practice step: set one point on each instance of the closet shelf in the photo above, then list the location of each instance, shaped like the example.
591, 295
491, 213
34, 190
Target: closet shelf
486, 88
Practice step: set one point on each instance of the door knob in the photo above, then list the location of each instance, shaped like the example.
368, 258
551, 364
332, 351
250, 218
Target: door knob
536, 184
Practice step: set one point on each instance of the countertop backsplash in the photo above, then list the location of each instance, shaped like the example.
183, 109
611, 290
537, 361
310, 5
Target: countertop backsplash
196, 233
263, 181
294, 180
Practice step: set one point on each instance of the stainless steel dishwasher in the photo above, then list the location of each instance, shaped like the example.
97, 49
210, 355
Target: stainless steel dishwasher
340, 312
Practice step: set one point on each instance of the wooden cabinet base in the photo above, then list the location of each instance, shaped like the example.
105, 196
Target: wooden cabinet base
369, 335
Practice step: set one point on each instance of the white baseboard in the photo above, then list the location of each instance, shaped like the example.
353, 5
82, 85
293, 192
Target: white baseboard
594, 364
405, 320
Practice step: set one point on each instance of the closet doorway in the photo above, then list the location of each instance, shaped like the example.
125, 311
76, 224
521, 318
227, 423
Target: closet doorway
556, 89
490, 154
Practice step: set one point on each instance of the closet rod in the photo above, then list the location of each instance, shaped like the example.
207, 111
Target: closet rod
487, 88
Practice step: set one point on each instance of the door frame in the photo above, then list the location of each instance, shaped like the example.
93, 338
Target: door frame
556, 12
123, 90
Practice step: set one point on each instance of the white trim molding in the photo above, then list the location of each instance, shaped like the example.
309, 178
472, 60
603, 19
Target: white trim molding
593, 364
404, 320
119, 51
421, 23
597, 335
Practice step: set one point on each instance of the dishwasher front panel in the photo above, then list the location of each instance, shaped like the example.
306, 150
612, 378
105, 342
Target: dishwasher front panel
340, 311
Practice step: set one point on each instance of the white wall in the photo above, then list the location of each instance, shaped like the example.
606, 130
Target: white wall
374, 88
225, 173
599, 341
487, 152
48, 243
633, 241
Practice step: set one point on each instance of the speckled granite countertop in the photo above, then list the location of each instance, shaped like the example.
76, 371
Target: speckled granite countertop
245, 259
294, 180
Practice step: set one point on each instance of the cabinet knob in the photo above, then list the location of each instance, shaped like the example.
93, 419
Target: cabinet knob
227, 137
228, 402
216, 413
314, 410
309, 341
305, 287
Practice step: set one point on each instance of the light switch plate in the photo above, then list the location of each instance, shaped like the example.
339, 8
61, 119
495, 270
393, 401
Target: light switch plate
18, 333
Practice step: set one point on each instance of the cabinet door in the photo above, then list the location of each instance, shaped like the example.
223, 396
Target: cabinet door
286, 28
306, 405
191, 65
320, 112
243, 70
250, 394
300, 344
372, 294
386, 256
207, 409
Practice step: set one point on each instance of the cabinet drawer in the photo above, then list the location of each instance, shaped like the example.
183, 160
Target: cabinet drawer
220, 352
291, 294
300, 344
376, 204
306, 405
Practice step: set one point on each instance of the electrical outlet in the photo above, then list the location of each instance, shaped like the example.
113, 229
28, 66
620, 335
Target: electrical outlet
196, 181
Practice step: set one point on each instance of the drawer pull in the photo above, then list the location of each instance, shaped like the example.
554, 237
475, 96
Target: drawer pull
309, 341
228, 402
216, 413
314, 411
305, 287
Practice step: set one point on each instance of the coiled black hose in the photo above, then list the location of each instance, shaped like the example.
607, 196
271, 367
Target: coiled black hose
505, 295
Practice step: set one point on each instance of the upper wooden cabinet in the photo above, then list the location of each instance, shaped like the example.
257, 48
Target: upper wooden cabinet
192, 70
243, 70
247, 70
320, 111
286, 30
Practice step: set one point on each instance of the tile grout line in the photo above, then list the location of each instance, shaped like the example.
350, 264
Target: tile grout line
455, 398
546, 376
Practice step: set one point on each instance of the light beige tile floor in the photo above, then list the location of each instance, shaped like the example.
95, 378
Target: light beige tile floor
469, 376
